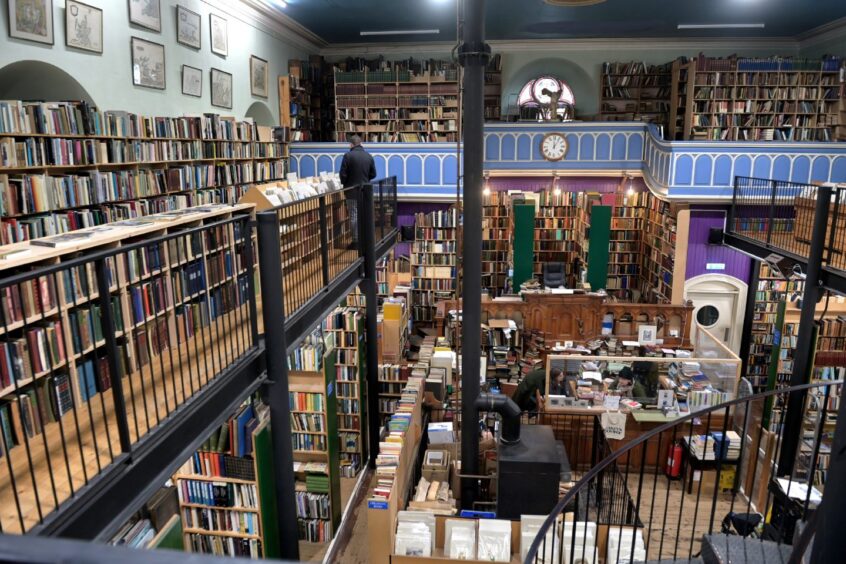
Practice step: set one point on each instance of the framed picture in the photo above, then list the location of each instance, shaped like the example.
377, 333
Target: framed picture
219, 35
192, 81
83, 26
148, 64
258, 76
221, 89
146, 13
31, 20
189, 30
647, 334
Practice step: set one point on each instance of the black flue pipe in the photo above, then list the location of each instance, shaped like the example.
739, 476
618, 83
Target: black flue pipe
473, 55
510, 412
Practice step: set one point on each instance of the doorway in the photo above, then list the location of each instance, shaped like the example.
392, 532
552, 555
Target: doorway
719, 303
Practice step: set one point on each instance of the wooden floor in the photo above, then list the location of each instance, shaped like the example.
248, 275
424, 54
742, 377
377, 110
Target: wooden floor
50, 467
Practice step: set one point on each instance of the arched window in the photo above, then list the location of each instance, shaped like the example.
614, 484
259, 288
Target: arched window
535, 96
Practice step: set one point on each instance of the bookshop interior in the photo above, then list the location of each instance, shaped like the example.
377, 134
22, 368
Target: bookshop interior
549, 281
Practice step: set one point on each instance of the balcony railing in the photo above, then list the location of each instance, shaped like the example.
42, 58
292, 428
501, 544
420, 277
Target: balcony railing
674, 514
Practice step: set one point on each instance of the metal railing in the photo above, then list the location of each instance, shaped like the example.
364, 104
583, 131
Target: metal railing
673, 509
781, 216
102, 349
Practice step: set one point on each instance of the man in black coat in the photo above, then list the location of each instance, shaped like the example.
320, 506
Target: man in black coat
357, 167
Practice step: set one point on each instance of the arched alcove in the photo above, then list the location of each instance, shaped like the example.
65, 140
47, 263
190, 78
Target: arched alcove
261, 114
575, 76
36, 80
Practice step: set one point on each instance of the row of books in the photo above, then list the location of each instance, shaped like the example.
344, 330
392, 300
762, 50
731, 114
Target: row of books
224, 546
312, 422
206, 518
217, 494
81, 118
308, 357
39, 404
313, 505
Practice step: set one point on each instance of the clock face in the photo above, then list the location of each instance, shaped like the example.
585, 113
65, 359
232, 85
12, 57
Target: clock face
546, 83
554, 147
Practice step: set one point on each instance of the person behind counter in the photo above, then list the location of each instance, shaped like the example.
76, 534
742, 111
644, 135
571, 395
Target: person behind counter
530, 390
627, 386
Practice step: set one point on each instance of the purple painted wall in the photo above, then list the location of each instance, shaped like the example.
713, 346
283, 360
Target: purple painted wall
700, 253
405, 217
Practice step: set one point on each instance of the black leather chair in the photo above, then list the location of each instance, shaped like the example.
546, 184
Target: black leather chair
553, 274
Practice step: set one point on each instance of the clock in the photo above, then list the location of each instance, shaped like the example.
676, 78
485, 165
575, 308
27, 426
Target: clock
554, 146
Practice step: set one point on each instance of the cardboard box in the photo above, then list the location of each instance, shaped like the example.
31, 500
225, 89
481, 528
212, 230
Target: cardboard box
708, 478
436, 465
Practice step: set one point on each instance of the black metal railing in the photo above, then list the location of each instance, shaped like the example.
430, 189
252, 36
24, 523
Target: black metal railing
679, 494
780, 216
102, 349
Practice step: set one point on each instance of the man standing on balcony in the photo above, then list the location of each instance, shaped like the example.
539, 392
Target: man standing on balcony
357, 167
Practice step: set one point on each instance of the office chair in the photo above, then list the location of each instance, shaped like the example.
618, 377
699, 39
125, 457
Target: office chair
553, 274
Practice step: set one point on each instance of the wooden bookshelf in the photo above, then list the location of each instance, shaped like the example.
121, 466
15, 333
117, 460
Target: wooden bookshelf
68, 166
679, 88
314, 431
749, 99
496, 242
627, 230
635, 91
219, 493
658, 252
493, 89
347, 328
310, 83
559, 232
433, 262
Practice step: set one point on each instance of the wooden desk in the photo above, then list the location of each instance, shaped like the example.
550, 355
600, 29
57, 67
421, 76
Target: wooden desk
578, 317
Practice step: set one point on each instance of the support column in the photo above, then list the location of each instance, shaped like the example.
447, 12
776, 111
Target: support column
367, 231
473, 56
276, 352
828, 539
804, 359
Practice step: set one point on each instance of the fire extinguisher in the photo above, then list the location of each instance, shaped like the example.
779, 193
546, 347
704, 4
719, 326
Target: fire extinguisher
674, 459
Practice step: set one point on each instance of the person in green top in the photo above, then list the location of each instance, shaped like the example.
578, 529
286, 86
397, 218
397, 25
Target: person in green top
627, 385
526, 394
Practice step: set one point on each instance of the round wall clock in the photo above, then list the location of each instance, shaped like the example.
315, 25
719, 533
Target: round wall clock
554, 146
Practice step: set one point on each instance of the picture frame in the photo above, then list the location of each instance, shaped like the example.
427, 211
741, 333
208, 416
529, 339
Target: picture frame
219, 33
83, 27
221, 89
148, 63
258, 76
647, 334
189, 28
146, 13
31, 20
192, 81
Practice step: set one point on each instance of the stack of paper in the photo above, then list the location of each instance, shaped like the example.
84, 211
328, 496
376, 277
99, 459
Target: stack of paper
415, 533
494, 540
460, 539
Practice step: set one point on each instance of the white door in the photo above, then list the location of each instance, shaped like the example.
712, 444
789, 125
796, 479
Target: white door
719, 303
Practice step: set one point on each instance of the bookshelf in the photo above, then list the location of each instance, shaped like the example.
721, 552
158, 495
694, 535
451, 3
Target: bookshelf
310, 103
658, 252
493, 89
219, 494
66, 165
759, 99
161, 296
559, 232
346, 324
496, 242
314, 432
677, 123
433, 262
392, 379
627, 230
635, 91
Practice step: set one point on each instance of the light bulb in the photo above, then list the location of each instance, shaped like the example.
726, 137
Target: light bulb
486, 191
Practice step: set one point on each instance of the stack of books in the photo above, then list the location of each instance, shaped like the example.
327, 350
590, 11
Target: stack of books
702, 447
726, 447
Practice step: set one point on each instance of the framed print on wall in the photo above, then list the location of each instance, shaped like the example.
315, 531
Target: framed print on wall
83, 27
148, 64
146, 13
31, 20
258, 76
221, 89
188, 27
219, 35
192, 81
